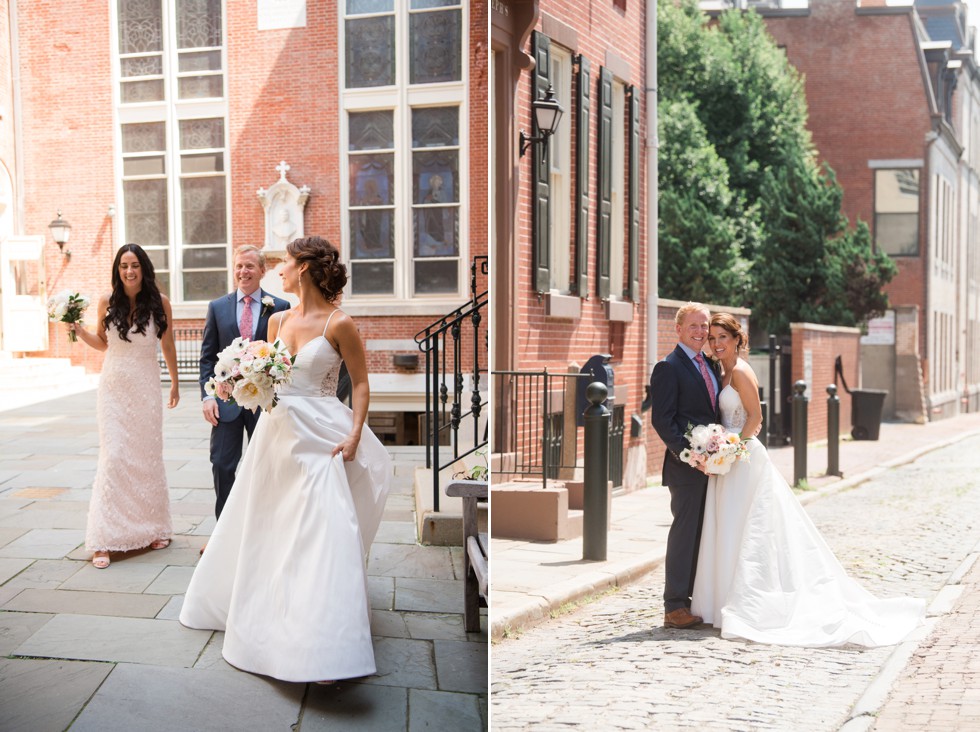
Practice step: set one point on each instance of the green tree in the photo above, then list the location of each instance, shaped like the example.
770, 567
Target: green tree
771, 227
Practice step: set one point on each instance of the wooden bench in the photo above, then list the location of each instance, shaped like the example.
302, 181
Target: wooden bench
475, 550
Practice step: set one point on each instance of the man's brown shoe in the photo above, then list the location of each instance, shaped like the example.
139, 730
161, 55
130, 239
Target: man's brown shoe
681, 618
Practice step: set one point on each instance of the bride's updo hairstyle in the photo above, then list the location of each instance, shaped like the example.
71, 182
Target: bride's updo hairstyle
734, 328
325, 267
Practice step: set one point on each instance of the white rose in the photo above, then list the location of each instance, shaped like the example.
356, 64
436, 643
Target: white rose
250, 396
60, 310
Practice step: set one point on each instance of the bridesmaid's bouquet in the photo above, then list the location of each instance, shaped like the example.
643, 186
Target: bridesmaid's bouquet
713, 448
250, 373
67, 307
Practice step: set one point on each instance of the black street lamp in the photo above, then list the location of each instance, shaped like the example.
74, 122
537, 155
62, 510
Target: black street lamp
60, 232
547, 114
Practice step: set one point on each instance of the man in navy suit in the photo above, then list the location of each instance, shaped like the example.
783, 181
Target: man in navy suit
245, 313
684, 389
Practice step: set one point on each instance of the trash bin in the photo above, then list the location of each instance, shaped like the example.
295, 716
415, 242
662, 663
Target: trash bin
866, 407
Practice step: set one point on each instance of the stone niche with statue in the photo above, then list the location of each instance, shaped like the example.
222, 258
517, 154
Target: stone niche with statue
284, 204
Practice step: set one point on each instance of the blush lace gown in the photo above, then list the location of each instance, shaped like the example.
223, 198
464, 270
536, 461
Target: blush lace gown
284, 573
765, 573
130, 505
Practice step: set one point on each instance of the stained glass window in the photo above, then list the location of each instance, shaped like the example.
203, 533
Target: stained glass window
173, 157
406, 177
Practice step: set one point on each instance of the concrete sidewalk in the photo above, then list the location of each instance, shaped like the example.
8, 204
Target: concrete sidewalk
530, 581
102, 649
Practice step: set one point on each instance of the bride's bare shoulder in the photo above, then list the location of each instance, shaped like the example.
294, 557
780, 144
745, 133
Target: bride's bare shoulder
743, 371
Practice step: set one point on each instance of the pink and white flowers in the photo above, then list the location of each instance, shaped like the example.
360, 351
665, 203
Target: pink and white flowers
67, 307
250, 373
713, 448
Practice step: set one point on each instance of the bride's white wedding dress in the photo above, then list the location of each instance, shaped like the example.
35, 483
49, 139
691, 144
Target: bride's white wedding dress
284, 573
764, 572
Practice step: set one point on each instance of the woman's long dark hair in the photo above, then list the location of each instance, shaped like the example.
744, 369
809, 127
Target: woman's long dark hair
148, 301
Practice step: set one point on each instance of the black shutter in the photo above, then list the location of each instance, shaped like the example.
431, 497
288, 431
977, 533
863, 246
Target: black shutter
633, 287
541, 170
604, 223
583, 115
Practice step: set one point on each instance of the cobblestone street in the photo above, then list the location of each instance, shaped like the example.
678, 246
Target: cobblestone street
611, 665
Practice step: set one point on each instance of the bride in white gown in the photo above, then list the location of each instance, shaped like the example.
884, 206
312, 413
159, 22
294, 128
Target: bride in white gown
764, 572
284, 573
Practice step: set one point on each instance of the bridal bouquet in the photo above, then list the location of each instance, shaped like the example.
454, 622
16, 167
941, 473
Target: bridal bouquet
250, 373
67, 307
713, 448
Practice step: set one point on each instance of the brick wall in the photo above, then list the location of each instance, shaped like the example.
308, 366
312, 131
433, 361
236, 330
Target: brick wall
604, 33
283, 104
818, 346
867, 101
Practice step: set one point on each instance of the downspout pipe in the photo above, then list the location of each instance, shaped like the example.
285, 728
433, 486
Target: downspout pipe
652, 184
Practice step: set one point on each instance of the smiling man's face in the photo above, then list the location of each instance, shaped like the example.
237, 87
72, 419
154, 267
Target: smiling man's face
693, 330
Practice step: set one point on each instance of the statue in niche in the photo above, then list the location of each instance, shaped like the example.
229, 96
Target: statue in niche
284, 204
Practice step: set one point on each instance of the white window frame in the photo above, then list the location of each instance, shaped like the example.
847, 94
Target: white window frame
401, 98
171, 111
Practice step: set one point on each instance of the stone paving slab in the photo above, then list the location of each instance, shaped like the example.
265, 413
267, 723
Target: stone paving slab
44, 543
123, 577
403, 662
64, 686
46, 573
396, 532
15, 628
53, 519
154, 699
397, 560
134, 640
171, 581
35, 600
440, 710
458, 667
11, 567
356, 708
428, 595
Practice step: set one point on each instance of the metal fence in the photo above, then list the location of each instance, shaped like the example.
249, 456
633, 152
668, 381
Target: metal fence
188, 343
534, 426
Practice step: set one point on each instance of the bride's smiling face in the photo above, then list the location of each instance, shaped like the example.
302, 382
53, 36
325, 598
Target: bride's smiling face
722, 343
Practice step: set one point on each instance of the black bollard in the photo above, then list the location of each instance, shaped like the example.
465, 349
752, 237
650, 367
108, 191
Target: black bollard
833, 431
800, 401
773, 423
763, 435
595, 503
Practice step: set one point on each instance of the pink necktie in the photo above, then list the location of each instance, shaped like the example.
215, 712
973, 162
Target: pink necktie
245, 326
707, 377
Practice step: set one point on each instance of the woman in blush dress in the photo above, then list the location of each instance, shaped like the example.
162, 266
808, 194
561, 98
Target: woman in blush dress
130, 505
764, 572
284, 574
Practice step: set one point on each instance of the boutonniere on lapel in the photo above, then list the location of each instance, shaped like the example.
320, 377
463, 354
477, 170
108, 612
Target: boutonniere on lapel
267, 304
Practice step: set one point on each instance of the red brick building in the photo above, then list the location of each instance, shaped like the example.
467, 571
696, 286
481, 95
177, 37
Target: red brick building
893, 98
159, 122
572, 267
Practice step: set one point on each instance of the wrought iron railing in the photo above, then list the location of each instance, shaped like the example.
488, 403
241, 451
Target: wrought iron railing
535, 435
188, 343
456, 361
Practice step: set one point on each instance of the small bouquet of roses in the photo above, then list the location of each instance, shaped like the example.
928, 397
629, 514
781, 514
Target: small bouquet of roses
713, 448
250, 373
67, 307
